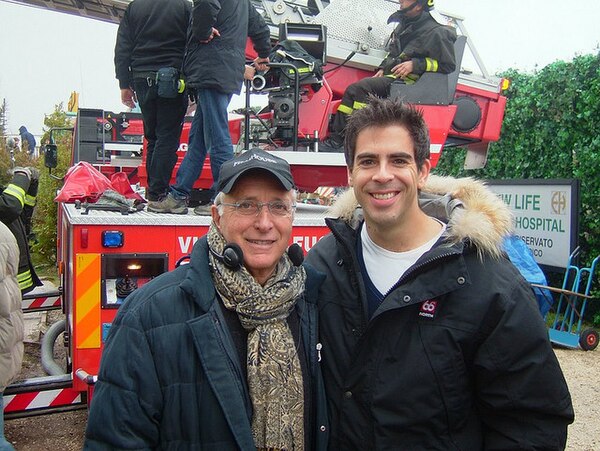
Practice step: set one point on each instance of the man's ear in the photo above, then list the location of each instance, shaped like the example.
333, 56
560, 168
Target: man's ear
214, 212
423, 175
349, 177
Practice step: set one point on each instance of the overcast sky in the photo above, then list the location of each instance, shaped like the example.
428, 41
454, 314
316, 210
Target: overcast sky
45, 55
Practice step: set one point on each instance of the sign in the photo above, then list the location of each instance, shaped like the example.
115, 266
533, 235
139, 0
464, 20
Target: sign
545, 216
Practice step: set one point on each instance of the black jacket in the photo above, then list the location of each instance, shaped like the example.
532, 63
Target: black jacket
457, 356
151, 35
17, 201
428, 44
171, 377
219, 64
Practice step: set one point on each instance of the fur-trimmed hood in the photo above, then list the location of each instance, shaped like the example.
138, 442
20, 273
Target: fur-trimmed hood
470, 209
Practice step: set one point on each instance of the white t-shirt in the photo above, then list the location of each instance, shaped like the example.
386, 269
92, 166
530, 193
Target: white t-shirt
386, 267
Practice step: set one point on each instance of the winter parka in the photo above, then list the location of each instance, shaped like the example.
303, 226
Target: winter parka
170, 375
219, 64
151, 35
428, 44
17, 201
457, 355
11, 315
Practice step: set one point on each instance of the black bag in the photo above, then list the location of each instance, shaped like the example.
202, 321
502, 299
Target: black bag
167, 82
310, 69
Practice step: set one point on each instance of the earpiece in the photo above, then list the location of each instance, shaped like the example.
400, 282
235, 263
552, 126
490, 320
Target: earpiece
232, 258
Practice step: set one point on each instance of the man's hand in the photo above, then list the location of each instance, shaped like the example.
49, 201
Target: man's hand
128, 97
249, 72
379, 73
213, 33
261, 63
403, 69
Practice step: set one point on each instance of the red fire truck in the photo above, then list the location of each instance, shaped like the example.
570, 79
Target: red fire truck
104, 255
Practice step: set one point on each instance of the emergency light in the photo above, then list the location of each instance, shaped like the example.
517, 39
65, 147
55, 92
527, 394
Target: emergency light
112, 238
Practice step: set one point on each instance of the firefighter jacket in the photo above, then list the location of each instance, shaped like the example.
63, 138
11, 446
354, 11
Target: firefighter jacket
219, 64
171, 377
428, 44
16, 207
456, 356
151, 36
11, 315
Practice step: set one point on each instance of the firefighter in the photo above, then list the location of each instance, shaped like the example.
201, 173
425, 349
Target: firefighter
417, 45
16, 208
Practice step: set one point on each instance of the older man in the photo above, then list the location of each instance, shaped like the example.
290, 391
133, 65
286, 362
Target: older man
220, 353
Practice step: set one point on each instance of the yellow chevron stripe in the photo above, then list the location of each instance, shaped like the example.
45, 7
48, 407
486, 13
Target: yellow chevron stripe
87, 299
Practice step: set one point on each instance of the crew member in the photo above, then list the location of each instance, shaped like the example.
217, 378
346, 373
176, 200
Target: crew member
220, 353
149, 51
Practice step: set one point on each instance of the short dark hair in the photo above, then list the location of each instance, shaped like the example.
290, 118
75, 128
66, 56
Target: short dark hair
385, 112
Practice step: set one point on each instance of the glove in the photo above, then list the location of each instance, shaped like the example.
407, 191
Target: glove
35, 174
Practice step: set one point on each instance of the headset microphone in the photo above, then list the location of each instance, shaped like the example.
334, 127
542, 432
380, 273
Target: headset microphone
232, 258
296, 254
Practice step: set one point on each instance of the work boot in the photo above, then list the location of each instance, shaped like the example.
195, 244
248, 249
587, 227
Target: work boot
203, 210
331, 145
169, 205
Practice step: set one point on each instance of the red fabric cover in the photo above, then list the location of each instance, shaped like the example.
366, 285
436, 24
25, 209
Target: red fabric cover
85, 183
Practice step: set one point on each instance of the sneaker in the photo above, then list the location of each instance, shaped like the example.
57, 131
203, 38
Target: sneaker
203, 210
331, 145
169, 205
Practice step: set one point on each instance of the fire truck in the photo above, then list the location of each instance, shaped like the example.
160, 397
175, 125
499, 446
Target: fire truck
105, 255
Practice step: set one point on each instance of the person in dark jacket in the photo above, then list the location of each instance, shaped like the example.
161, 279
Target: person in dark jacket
17, 202
418, 44
431, 339
152, 37
27, 139
214, 68
220, 353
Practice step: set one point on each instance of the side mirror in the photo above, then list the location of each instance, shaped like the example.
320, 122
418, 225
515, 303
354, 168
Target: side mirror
51, 156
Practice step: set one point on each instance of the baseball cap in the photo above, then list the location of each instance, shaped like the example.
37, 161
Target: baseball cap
255, 158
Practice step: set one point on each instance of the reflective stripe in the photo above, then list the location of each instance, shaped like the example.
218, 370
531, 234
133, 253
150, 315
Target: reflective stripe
432, 65
359, 105
25, 280
17, 192
391, 76
345, 109
29, 200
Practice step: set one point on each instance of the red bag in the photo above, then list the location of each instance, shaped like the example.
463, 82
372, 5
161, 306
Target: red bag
83, 182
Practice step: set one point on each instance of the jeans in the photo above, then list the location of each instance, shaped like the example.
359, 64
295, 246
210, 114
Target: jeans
163, 122
4, 444
209, 133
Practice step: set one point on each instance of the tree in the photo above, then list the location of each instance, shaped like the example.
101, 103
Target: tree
45, 214
550, 130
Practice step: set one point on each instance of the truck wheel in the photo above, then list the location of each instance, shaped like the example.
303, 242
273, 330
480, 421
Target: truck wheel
588, 339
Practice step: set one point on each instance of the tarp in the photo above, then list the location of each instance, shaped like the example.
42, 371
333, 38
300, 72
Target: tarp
85, 183
522, 257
